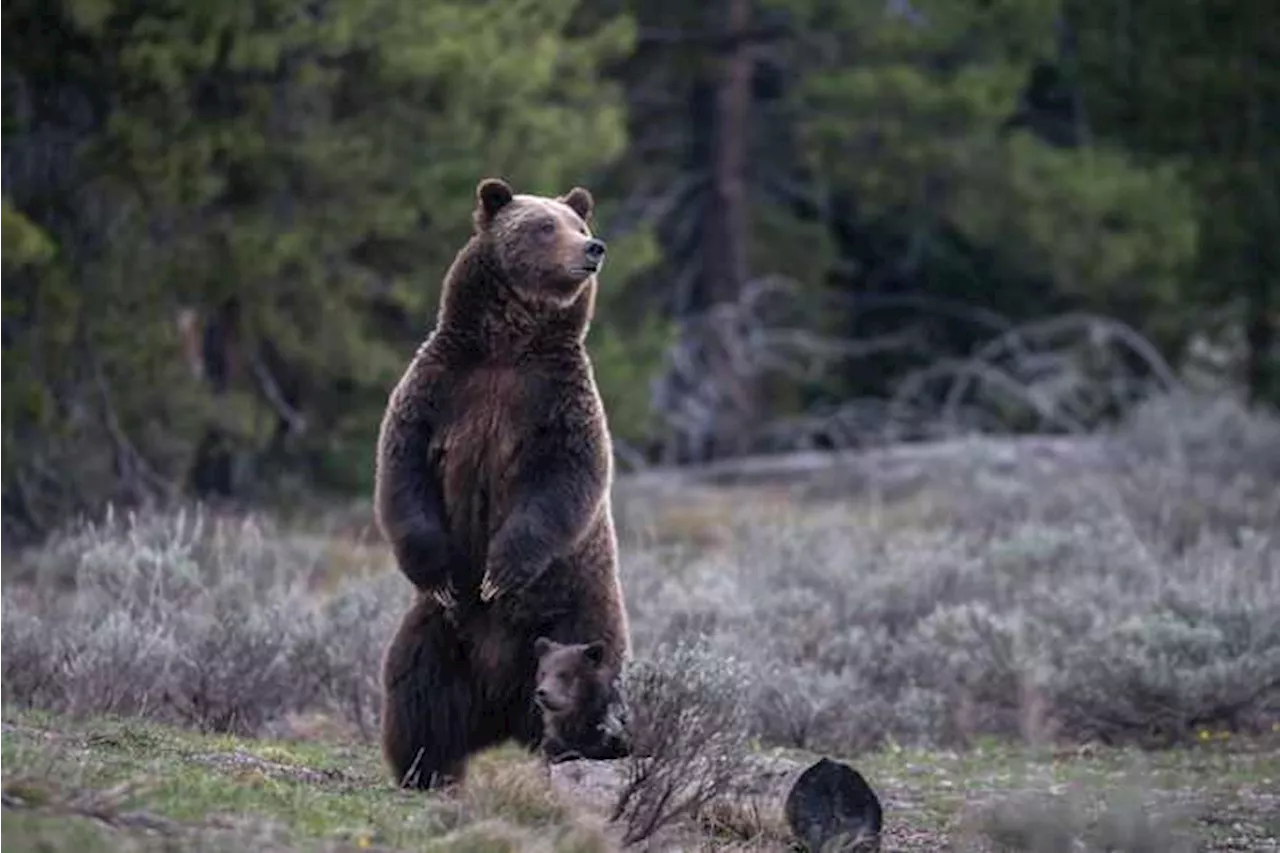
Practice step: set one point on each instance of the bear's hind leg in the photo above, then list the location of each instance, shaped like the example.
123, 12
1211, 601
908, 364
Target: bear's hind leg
427, 702
507, 711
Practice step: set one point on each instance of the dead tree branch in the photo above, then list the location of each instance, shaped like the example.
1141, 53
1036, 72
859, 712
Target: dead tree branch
770, 332
1063, 374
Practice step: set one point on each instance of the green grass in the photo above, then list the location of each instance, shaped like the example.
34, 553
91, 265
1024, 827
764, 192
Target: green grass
1221, 792
68, 782
114, 784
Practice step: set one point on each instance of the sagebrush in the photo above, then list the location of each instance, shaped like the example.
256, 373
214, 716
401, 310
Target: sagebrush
687, 720
1129, 600
184, 618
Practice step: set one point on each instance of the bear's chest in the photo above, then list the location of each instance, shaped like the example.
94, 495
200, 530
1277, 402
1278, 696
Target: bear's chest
478, 446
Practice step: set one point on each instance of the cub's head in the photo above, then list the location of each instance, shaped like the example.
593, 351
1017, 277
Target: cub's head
578, 697
543, 245
572, 679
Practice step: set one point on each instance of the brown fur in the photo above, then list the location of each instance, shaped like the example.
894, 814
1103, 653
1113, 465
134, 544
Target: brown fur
493, 474
575, 693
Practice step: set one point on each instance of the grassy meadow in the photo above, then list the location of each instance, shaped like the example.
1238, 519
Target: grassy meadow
1040, 644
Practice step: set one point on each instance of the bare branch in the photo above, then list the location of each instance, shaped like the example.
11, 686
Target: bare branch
769, 331
1066, 373
135, 473
296, 421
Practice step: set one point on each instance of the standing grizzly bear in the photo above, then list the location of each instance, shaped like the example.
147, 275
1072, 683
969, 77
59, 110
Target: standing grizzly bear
493, 473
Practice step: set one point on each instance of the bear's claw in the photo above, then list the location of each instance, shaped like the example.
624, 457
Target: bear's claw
445, 598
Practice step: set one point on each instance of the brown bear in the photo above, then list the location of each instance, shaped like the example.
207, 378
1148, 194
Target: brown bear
493, 476
577, 694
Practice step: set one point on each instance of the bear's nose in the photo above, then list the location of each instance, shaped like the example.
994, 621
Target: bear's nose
541, 694
595, 249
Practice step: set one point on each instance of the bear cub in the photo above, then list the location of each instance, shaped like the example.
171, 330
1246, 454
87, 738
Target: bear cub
575, 694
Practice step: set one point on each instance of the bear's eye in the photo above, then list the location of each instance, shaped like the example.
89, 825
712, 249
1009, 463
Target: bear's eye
547, 226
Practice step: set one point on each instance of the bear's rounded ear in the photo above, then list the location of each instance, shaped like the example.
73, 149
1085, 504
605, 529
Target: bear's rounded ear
581, 201
492, 194
541, 646
594, 652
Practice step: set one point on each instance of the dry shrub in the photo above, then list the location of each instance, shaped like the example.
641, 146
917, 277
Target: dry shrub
687, 720
1216, 436
183, 618
1132, 600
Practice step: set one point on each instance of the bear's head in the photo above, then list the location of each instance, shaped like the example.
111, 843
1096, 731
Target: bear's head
570, 676
543, 246
576, 694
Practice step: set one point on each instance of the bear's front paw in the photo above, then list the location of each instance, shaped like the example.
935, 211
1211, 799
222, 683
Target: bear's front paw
498, 581
447, 598
426, 561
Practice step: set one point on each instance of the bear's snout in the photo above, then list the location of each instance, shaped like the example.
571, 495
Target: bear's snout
595, 251
543, 699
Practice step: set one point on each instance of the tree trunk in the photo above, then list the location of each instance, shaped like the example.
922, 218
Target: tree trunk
212, 472
724, 257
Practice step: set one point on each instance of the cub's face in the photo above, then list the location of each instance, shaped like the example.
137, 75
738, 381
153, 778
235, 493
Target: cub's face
571, 677
543, 244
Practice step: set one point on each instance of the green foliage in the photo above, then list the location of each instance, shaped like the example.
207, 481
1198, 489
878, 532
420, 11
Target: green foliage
24, 242
909, 111
1102, 227
376, 157
625, 359
896, 104
314, 165
27, 246
626, 346
1197, 81
292, 181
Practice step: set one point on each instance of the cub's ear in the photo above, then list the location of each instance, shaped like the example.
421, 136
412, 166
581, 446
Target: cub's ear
581, 201
594, 652
492, 194
541, 646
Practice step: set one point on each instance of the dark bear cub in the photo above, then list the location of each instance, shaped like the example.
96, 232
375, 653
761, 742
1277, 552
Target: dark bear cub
576, 693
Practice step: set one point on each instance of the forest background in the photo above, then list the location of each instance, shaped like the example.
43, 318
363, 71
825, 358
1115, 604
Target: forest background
831, 224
